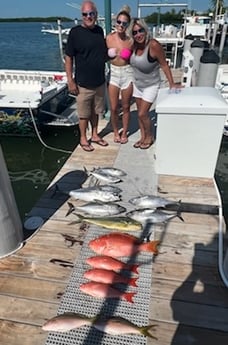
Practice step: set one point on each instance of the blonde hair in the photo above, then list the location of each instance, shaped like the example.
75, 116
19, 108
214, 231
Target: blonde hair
140, 22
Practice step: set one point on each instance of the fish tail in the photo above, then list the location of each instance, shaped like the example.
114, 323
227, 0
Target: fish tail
145, 331
179, 216
134, 269
71, 209
151, 247
133, 281
128, 296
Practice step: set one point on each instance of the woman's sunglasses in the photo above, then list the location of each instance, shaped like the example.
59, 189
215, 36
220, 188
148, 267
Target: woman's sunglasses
124, 24
139, 31
91, 14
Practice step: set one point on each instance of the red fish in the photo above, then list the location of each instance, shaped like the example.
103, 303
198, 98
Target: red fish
108, 277
101, 290
109, 263
121, 244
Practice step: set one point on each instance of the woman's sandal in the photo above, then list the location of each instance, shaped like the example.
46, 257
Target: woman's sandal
137, 144
145, 146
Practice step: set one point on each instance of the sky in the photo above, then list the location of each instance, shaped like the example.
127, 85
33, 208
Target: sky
59, 8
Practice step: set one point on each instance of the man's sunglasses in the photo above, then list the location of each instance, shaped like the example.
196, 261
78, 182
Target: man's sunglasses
139, 31
124, 24
91, 14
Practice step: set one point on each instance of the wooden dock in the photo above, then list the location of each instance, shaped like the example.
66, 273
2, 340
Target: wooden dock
189, 303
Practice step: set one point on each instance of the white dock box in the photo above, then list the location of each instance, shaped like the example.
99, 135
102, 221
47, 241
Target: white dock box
190, 124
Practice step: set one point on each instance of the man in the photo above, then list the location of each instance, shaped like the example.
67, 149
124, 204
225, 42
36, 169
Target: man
86, 48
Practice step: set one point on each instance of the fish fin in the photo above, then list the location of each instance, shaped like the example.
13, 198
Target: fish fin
151, 246
86, 171
179, 216
71, 209
145, 331
99, 202
128, 296
134, 269
133, 281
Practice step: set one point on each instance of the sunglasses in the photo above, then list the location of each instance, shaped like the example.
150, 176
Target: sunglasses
139, 31
124, 24
91, 14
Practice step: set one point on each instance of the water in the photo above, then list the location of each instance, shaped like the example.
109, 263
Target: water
31, 166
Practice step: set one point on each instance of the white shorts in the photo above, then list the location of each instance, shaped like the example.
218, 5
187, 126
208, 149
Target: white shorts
148, 94
121, 76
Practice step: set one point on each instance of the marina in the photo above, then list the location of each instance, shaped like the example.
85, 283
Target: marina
187, 297
182, 291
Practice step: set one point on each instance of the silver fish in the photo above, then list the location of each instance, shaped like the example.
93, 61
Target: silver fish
118, 326
97, 208
152, 201
110, 171
152, 216
109, 188
101, 176
92, 194
67, 321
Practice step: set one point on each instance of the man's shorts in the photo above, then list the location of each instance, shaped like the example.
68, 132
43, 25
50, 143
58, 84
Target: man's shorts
90, 100
148, 94
121, 76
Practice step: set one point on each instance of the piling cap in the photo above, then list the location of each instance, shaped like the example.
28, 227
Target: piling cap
197, 44
210, 56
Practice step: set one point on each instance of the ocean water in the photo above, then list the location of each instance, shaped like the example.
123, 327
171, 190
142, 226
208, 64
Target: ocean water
31, 166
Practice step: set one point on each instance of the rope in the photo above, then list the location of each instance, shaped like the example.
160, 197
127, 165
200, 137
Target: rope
39, 137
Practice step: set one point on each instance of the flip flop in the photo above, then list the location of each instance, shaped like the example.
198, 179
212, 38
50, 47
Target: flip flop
137, 144
145, 146
87, 147
100, 142
124, 140
117, 140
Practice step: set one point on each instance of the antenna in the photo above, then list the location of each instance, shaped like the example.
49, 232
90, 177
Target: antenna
74, 5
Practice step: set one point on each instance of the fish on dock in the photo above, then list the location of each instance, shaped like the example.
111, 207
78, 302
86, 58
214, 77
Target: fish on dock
117, 223
101, 275
97, 208
110, 171
106, 176
92, 194
102, 290
121, 244
116, 325
109, 263
66, 322
153, 216
152, 201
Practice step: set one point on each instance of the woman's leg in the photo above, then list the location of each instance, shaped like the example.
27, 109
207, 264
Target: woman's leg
113, 92
126, 96
145, 123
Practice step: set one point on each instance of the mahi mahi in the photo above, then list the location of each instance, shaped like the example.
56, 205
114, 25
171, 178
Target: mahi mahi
117, 223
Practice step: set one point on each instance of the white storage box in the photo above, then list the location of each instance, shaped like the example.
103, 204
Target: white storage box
190, 124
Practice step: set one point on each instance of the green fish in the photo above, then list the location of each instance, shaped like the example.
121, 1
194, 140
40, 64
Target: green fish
117, 223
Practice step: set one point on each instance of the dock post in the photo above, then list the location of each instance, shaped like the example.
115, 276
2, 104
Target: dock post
223, 39
11, 230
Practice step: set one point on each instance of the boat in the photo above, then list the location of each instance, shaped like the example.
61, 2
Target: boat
32, 100
50, 29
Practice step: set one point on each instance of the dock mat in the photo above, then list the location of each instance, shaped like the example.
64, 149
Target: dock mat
76, 301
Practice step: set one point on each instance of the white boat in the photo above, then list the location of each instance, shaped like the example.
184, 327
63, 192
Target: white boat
33, 99
222, 86
50, 29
